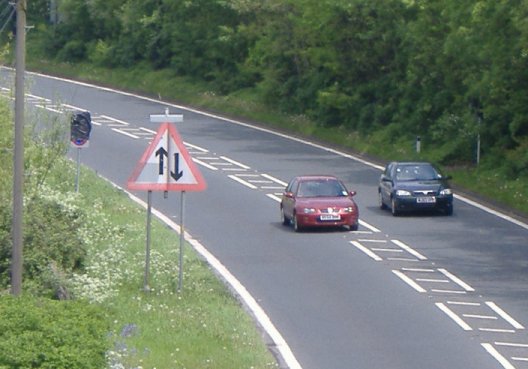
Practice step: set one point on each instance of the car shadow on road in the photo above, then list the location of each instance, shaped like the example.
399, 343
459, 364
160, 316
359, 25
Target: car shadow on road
316, 230
410, 213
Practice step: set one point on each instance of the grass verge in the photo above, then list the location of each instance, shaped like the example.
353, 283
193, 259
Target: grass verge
202, 326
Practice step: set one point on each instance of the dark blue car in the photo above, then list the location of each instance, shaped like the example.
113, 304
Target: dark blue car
407, 186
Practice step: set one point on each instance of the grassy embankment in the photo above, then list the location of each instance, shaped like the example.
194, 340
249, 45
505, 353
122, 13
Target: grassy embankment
490, 183
202, 326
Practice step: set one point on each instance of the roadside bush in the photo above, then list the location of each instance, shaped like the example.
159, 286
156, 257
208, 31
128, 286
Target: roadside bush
73, 51
53, 246
47, 334
54, 242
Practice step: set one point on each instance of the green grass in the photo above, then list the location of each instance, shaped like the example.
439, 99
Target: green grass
201, 326
493, 186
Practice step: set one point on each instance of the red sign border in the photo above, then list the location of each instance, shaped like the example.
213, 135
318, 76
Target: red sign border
154, 186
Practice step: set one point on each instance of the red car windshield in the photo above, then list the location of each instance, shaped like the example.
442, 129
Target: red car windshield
321, 188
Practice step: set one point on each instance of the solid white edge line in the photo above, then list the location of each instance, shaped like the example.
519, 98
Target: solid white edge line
501, 359
409, 281
453, 316
504, 315
491, 211
366, 250
249, 301
251, 304
457, 280
409, 249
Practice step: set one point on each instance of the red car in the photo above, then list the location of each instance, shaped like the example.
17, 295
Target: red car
315, 201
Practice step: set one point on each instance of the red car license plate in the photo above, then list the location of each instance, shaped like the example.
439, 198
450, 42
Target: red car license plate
330, 217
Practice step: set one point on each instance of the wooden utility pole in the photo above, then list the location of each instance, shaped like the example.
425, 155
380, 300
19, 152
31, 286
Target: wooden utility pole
18, 155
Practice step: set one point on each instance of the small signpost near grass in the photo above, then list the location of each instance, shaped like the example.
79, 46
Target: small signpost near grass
166, 166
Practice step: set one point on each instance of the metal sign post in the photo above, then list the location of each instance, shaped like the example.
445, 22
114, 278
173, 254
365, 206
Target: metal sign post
182, 240
166, 166
146, 285
78, 174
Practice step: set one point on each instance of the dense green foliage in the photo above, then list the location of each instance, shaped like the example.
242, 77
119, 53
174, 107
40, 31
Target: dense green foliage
442, 70
48, 334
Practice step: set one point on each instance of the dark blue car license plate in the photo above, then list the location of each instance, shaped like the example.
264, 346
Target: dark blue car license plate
426, 200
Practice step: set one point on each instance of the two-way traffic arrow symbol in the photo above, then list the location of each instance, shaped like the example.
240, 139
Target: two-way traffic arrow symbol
176, 174
162, 153
155, 170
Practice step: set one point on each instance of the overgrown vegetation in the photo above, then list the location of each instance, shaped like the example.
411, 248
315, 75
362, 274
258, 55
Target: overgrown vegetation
368, 75
445, 71
48, 254
48, 334
83, 305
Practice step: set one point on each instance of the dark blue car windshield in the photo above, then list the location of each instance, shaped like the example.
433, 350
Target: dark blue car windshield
416, 173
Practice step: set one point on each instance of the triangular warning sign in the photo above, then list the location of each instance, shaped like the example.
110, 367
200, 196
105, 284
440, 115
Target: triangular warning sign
166, 165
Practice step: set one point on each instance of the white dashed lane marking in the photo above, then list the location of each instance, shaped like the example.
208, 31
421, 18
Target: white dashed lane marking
393, 247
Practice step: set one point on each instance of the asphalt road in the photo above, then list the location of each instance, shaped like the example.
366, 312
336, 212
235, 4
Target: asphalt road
411, 292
